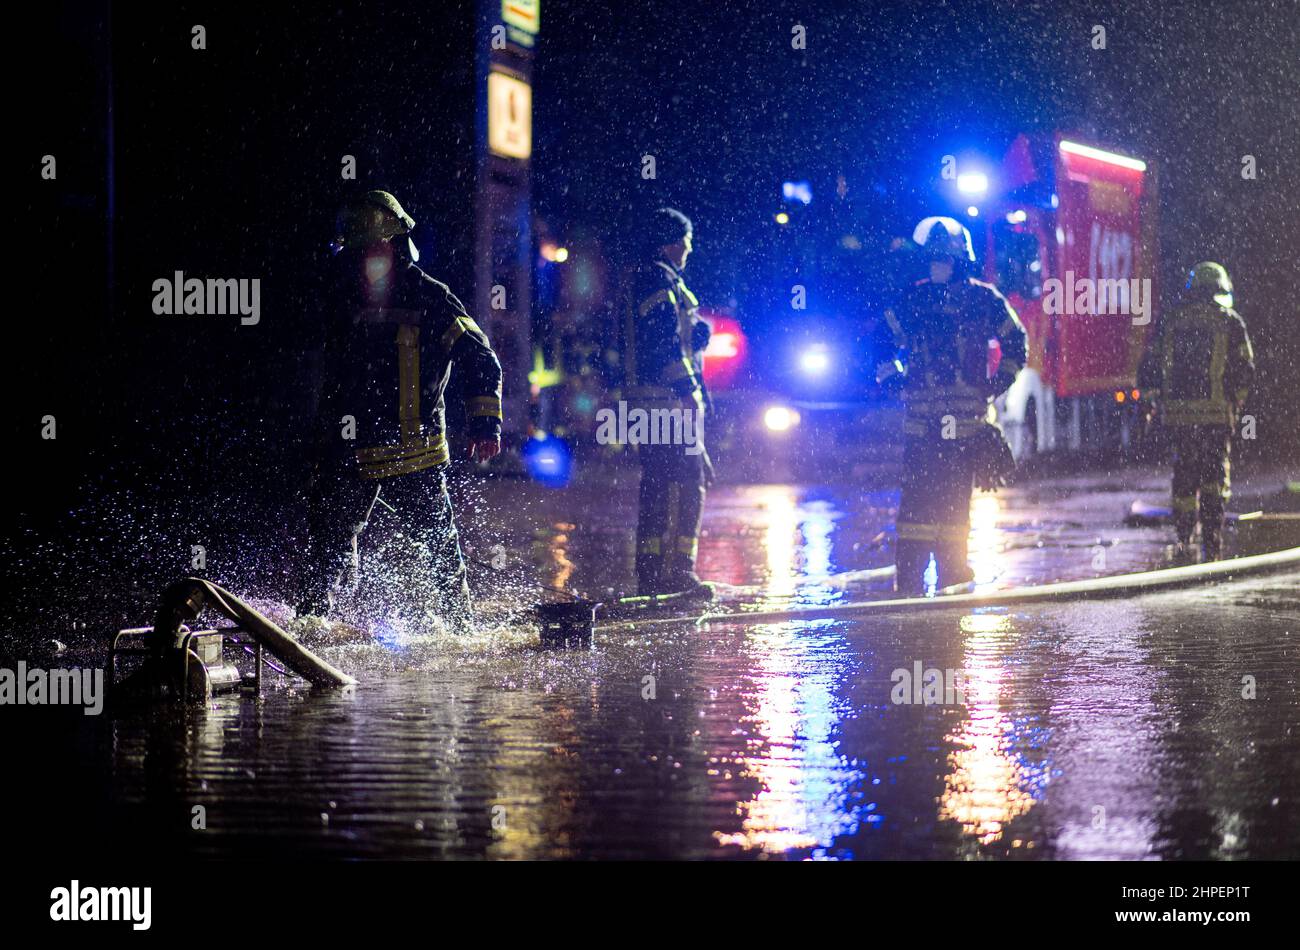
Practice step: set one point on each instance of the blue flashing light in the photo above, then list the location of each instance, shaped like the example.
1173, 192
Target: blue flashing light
815, 360
547, 460
973, 183
799, 191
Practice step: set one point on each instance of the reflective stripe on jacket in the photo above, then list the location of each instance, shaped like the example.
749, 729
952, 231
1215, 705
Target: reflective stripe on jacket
1201, 367
945, 332
661, 365
389, 351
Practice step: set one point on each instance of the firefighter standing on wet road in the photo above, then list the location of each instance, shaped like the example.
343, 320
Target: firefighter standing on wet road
663, 341
1198, 374
392, 335
938, 344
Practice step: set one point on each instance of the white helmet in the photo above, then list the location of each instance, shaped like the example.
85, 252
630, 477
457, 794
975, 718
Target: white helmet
944, 237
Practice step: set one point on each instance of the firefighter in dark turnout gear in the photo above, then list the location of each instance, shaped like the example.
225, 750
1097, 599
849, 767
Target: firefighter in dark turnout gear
1198, 374
939, 339
390, 340
663, 342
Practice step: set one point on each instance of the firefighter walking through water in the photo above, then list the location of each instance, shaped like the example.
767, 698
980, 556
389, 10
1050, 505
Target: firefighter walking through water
940, 339
1198, 375
390, 341
663, 343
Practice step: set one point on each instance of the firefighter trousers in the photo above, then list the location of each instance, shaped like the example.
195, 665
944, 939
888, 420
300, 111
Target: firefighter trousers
1202, 483
934, 512
420, 556
668, 515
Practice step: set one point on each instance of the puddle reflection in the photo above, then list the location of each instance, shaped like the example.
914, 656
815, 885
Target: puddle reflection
792, 751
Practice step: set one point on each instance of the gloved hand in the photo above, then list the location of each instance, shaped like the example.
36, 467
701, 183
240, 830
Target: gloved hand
481, 450
993, 460
1000, 383
701, 333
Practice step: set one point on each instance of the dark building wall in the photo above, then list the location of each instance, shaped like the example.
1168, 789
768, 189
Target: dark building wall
224, 163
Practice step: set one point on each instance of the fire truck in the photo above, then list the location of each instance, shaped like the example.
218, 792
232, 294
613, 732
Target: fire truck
1064, 228
1071, 242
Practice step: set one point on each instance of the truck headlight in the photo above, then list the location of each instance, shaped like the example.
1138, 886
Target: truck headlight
780, 418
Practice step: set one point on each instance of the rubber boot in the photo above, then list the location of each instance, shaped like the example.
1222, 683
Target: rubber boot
680, 576
682, 579
318, 593
910, 560
954, 567
647, 574
1211, 528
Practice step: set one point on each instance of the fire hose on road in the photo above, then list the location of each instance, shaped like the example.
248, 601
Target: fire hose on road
1098, 587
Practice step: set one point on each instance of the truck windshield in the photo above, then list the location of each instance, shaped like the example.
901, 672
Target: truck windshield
1018, 266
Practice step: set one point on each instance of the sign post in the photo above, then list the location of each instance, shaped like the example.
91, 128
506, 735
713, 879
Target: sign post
503, 241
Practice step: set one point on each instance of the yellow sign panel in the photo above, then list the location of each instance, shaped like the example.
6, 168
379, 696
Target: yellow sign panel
510, 116
523, 15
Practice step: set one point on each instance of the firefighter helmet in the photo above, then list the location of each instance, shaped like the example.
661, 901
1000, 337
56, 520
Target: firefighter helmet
943, 237
1210, 278
375, 216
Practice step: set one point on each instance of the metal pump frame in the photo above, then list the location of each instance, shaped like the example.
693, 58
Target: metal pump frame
186, 645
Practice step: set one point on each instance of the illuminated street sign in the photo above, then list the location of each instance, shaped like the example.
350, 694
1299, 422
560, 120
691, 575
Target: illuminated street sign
522, 18
510, 116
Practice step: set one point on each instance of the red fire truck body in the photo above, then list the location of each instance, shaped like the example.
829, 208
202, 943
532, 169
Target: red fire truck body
1071, 242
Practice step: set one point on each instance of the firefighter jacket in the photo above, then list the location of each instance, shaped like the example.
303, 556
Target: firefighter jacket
942, 335
663, 339
391, 342
1200, 369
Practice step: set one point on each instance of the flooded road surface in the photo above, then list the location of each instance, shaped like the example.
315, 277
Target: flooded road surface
1103, 730
776, 545
1164, 726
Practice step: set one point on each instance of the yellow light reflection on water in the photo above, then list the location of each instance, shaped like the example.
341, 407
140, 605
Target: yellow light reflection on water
780, 512
985, 786
986, 544
555, 547
792, 720
774, 818
797, 541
